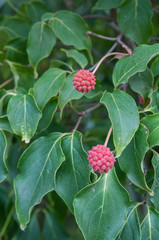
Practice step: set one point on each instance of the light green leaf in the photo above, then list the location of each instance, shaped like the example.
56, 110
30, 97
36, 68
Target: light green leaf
152, 123
68, 92
23, 115
48, 85
128, 66
3, 146
155, 162
70, 28
142, 83
131, 158
47, 115
74, 173
150, 226
155, 67
40, 43
37, 168
124, 116
77, 56
107, 4
101, 208
134, 19
23, 75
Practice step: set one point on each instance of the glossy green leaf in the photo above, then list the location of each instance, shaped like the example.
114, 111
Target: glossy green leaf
24, 110
155, 67
134, 19
153, 106
47, 115
40, 43
131, 229
107, 4
74, 173
77, 56
53, 229
124, 116
68, 92
101, 208
155, 162
5, 125
23, 75
48, 85
150, 226
131, 158
137, 62
142, 83
37, 168
3, 146
152, 123
70, 28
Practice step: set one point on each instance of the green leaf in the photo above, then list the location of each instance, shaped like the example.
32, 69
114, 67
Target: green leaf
47, 115
131, 229
70, 28
107, 4
128, 66
150, 226
74, 173
35, 10
142, 83
40, 43
101, 208
4, 124
134, 19
23, 115
152, 123
68, 92
155, 67
131, 158
48, 85
23, 75
53, 229
155, 197
77, 56
3, 146
124, 116
154, 103
37, 168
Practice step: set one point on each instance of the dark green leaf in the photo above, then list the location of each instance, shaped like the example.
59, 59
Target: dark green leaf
137, 62
150, 226
3, 145
101, 208
48, 85
124, 116
4, 124
70, 28
35, 10
134, 19
152, 123
107, 4
155, 67
23, 115
154, 103
131, 158
142, 83
37, 168
40, 43
74, 173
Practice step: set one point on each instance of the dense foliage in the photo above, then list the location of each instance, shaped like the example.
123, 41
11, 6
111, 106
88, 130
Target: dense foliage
48, 190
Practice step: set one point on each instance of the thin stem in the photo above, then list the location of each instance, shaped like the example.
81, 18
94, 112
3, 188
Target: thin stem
6, 82
101, 36
7, 222
109, 51
78, 123
125, 46
107, 55
108, 136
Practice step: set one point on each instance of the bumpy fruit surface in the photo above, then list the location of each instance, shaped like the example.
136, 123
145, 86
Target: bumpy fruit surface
101, 159
84, 81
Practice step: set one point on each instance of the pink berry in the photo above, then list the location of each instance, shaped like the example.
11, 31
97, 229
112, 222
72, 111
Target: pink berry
101, 159
84, 81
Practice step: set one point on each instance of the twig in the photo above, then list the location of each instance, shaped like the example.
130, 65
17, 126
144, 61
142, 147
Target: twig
101, 36
78, 123
6, 82
108, 136
125, 46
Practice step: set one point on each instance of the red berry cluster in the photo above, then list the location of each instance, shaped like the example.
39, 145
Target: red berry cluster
84, 81
101, 159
